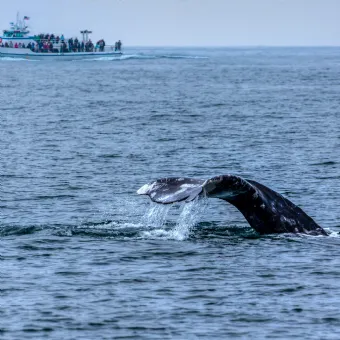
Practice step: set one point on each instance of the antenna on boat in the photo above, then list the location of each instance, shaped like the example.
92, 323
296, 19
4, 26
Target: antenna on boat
16, 25
85, 34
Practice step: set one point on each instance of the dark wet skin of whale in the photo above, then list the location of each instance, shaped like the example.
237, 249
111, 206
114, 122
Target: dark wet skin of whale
265, 210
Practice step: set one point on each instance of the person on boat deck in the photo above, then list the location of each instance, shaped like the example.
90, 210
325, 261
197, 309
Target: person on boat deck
20, 45
82, 46
16, 45
70, 44
62, 37
89, 46
102, 45
75, 46
63, 47
11, 44
23, 46
118, 45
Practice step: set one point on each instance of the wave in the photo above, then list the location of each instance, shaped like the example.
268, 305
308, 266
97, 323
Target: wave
183, 57
178, 222
182, 231
137, 231
15, 59
145, 56
119, 58
169, 222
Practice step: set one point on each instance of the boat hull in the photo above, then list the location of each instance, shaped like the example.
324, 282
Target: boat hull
24, 53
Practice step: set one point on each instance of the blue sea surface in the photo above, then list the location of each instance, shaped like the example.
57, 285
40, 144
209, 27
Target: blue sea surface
82, 256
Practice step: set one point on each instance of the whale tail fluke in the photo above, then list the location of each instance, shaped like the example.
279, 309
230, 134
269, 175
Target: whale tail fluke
171, 190
265, 210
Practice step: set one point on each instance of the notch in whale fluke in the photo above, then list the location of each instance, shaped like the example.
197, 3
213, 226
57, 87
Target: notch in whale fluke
265, 210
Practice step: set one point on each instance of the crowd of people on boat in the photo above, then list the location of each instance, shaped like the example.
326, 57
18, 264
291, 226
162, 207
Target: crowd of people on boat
15, 45
49, 37
55, 44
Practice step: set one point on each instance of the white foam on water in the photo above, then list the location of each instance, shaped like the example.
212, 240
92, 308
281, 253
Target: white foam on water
118, 58
332, 233
122, 57
142, 56
15, 59
183, 57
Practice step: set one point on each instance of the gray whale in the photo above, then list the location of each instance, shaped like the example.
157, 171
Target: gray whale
265, 210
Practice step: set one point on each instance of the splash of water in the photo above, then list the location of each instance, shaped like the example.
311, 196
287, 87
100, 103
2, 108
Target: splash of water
332, 233
156, 216
157, 220
189, 217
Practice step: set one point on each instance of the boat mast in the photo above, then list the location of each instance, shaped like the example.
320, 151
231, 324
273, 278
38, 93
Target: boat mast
85, 34
18, 25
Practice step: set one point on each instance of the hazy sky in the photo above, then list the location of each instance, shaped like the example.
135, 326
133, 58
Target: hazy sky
185, 22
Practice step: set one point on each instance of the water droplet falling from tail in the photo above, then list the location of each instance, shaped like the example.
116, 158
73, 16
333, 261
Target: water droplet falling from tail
189, 217
156, 215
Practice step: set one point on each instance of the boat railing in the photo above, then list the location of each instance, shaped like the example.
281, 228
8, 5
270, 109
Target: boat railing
55, 41
59, 48
58, 42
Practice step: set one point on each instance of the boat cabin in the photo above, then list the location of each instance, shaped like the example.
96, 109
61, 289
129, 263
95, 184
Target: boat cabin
15, 34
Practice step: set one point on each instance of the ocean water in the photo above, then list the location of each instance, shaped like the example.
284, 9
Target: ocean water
82, 256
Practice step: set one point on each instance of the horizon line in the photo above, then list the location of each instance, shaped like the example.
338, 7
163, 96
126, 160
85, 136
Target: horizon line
232, 46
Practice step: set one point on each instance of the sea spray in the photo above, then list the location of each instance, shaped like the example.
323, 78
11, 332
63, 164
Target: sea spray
161, 224
188, 218
156, 215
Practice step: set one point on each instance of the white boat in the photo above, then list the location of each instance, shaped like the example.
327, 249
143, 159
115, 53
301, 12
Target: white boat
17, 42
